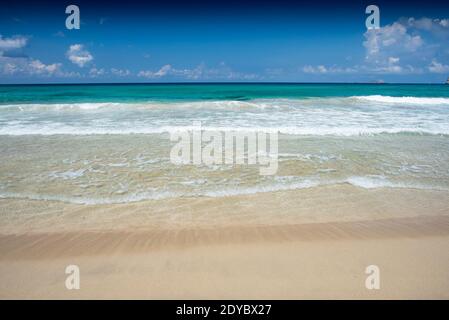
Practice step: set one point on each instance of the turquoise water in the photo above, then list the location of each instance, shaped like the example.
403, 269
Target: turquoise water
192, 92
298, 109
94, 144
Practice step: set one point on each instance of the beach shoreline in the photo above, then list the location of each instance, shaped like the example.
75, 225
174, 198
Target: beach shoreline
322, 204
250, 258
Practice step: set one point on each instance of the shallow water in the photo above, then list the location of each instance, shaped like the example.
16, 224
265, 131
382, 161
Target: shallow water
122, 168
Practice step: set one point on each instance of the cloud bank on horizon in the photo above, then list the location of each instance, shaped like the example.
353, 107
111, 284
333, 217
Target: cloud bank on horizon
200, 47
407, 46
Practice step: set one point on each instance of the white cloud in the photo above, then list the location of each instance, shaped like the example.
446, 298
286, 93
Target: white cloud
390, 67
222, 71
14, 62
94, 72
120, 72
78, 55
403, 47
321, 69
12, 66
388, 40
407, 46
163, 71
439, 27
15, 42
155, 74
437, 67
37, 67
71, 74
193, 74
393, 60
317, 69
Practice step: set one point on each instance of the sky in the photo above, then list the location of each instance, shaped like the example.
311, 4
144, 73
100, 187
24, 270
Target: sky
224, 41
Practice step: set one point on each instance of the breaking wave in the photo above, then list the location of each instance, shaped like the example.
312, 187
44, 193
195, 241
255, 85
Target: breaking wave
341, 116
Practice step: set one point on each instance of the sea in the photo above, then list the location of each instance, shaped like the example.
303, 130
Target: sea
110, 143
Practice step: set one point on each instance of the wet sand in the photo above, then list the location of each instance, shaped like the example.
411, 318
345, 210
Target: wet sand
333, 203
291, 244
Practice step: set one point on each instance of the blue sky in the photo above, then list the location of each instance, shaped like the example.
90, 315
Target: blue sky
173, 41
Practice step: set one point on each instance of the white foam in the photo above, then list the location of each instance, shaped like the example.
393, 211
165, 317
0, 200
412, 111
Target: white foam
371, 182
340, 116
288, 130
374, 182
60, 106
92, 200
224, 104
404, 100
281, 184
305, 184
70, 174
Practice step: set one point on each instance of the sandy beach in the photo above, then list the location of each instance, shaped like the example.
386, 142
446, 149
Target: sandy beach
258, 255
224, 150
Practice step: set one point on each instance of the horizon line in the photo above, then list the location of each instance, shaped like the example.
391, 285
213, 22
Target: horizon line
218, 82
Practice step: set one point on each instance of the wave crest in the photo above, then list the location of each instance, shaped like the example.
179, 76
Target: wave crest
404, 100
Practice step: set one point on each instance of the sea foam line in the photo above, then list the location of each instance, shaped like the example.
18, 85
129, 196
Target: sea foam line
288, 130
231, 104
404, 100
364, 182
